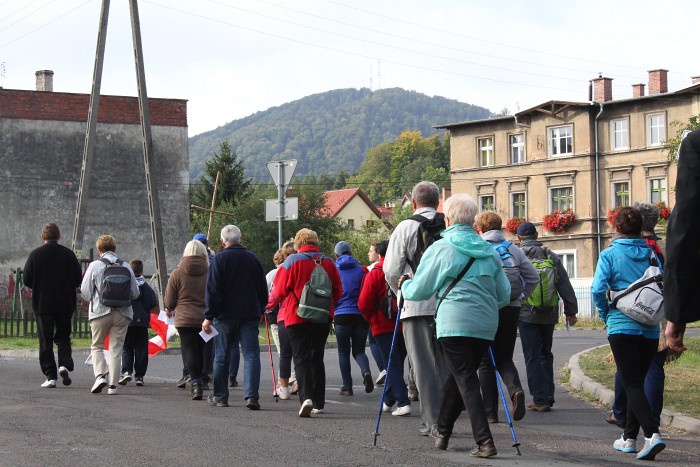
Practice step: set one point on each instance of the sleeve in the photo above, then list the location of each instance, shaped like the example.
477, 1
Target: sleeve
28, 271
212, 296
337, 283
367, 302
135, 292
77, 271
565, 289
87, 286
502, 287
279, 289
263, 289
395, 259
430, 275
601, 285
531, 278
170, 300
151, 299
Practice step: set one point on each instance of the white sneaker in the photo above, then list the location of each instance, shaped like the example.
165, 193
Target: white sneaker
112, 391
293, 387
126, 377
386, 408
49, 383
306, 408
100, 382
381, 378
625, 445
652, 446
65, 375
283, 392
402, 411
317, 411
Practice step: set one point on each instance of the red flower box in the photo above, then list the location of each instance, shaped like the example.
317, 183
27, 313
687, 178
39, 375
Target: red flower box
513, 223
559, 221
664, 211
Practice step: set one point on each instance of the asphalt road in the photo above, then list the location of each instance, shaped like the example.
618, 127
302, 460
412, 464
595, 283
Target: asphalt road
158, 424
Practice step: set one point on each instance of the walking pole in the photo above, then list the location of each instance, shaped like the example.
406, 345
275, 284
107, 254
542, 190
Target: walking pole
388, 369
272, 365
516, 445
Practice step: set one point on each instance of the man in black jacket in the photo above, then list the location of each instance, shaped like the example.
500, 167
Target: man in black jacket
53, 273
681, 279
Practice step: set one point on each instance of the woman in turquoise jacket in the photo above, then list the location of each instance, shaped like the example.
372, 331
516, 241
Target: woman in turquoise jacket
633, 344
467, 317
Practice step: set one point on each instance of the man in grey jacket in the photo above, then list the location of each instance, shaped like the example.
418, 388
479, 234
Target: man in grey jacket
105, 319
537, 324
417, 317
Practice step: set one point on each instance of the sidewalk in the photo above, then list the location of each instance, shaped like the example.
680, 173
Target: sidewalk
581, 382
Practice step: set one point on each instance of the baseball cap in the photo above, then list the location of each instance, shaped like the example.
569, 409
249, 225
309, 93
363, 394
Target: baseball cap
526, 229
342, 247
202, 238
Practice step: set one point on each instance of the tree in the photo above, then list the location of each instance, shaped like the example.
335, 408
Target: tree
233, 186
675, 143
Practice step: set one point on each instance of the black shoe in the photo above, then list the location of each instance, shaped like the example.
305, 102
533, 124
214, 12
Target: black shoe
441, 441
518, 405
487, 449
232, 382
214, 402
139, 381
345, 392
369, 383
252, 403
65, 375
182, 384
197, 392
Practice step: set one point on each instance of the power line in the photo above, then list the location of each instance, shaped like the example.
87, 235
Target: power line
27, 15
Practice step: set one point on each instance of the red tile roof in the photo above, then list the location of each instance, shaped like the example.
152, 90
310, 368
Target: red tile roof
336, 200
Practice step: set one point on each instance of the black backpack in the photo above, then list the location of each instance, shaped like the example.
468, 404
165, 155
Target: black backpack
429, 232
387, 302
114, 291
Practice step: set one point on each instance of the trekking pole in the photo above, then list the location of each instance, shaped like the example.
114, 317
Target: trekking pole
388, 369
272, 365
516, 445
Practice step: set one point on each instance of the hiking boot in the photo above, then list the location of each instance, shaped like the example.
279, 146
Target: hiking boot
485, 449
652, 446
369, 384
404, 411
65, 375
49, 383
518, 405
214, 402
441, 441
283, 392
306, 408
345, 392
182, 384
112, 391
252, 403
232, 382
625, 445
196, 391
381, 378
126, 377
538, 407
100, 382
139, 381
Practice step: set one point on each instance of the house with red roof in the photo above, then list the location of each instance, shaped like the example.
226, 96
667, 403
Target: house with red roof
353, 207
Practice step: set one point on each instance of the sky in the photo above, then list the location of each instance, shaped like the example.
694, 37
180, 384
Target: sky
231, 58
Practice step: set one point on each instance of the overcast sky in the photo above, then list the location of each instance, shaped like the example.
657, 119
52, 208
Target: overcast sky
232, 58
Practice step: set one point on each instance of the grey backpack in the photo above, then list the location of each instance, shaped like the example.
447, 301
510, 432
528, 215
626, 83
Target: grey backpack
114, 291
317, 295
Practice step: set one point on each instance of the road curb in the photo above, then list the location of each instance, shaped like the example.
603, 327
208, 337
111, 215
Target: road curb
581, 382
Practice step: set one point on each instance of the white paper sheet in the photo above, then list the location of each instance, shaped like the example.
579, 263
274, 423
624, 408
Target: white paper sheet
208, 336
162, 316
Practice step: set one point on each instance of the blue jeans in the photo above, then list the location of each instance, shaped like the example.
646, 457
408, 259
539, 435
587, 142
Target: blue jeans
394, 387
653, 389
539, 360
376, 353
351, 337
229, 331
235, 358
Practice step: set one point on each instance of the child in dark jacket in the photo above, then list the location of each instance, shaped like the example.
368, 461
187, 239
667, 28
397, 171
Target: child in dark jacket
135, 350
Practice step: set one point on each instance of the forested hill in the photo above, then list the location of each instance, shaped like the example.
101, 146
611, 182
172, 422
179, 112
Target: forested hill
328, 132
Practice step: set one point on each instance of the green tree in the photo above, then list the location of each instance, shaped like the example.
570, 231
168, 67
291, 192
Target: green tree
233, 186
674, 144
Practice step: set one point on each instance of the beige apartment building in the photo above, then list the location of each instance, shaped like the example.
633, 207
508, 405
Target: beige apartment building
586, 156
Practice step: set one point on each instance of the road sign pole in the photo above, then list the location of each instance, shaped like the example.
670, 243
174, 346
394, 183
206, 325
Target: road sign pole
281, 189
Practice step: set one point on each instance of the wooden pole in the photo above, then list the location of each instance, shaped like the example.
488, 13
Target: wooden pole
213, 203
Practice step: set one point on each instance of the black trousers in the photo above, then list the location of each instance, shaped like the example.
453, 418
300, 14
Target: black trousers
135, 351
633, 356
54, 328
192, 346
502, 347
463, 356
308, 346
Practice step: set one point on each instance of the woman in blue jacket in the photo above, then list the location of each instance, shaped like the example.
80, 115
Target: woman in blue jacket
633, 344
467, 316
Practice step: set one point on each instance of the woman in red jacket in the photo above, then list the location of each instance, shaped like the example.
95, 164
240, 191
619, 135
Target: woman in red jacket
370, 303
308, 339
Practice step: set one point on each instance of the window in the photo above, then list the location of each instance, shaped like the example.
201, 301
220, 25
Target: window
568, 260
561, 141
621, 194
351, 223
656, 129
486, 203
485, 151
517, 205
657, 190
562, 198
371, 223
517, 148
619, 134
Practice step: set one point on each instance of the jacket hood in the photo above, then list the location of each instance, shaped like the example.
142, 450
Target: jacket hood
193, 265
346, 262
635, 249
493, 236
465, 240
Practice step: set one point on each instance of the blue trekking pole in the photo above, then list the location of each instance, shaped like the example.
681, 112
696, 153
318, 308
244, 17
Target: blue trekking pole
516, 445
388, 369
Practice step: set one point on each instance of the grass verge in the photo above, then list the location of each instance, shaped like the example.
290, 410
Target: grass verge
682, 376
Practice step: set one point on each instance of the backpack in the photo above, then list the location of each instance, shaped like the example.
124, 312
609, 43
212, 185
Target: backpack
316, 296
114, 291
545, 296
512, 271
387, 303
429, 231
643, 299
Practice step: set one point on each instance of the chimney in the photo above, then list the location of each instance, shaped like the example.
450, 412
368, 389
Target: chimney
658, 81
696, 79
44, 80
638, 90
602, 89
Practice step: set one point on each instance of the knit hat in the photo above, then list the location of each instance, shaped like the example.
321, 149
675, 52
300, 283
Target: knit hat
342, 247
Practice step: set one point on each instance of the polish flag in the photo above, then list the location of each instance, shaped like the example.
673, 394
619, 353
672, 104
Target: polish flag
164, 332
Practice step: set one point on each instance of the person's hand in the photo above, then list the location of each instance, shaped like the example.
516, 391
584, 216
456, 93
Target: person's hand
571, 319
674, 336
402, 279
206, 326
168, 313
